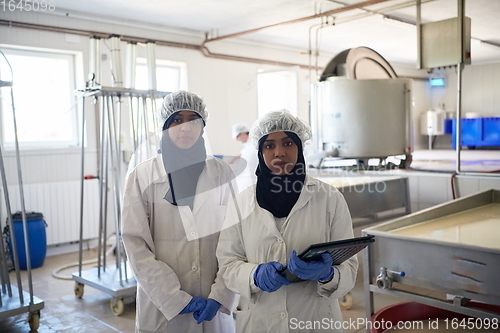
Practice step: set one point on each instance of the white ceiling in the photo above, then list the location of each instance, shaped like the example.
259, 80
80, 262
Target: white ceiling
360, 27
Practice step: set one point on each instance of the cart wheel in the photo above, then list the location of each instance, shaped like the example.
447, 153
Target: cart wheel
79, 289
346, 301
34, 320
116, 305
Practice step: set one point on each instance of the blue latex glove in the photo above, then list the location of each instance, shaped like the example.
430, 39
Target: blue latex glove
209, 312
196, 304
268, 278
320, 270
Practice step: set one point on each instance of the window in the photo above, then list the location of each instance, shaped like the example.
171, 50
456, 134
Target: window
277, 90
170, 75
44, 99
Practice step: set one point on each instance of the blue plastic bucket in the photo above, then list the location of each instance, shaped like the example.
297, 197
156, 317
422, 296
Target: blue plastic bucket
37, 238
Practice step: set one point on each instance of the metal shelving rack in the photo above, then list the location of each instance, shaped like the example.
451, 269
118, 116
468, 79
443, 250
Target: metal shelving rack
14, 300
113, 279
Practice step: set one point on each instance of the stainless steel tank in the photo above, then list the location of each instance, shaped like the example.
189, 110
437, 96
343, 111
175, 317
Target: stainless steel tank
360, 108
363, 118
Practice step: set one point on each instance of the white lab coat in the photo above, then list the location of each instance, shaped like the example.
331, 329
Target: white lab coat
320, 215
171, 249
247, 177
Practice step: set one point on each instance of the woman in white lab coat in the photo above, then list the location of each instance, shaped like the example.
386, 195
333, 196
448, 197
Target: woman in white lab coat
284, 213
173, 209
248, 154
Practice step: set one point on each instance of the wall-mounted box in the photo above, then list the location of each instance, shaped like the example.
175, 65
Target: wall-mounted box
441, 45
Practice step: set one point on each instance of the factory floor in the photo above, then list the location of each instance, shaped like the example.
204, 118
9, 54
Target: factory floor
63, 312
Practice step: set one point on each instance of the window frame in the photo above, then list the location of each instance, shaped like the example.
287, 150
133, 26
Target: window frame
294, 108
162, 63
74, 60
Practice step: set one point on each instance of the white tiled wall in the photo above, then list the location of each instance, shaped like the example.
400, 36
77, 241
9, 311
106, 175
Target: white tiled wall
485, 184
430, 189
467, 186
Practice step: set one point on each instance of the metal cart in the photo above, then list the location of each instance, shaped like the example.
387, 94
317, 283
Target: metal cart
414, 265
14, 300
114, 279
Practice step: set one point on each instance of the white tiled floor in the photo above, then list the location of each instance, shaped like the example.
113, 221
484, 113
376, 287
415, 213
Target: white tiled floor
64, 313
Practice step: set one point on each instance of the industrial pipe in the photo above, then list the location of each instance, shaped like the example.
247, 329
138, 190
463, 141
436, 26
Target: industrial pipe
202, 47
134, 39
116, 61
151, 64
130, 64
460, 67
95, 61
207, 53
302, 19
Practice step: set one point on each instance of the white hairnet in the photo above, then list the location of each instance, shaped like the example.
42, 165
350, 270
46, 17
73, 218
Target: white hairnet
182, 101
279, 121
238, 129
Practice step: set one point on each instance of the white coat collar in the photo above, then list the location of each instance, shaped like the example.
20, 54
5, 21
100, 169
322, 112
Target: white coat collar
305, 194
210, 171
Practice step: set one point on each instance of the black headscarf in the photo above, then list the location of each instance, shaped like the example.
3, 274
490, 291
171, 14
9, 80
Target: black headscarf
278, 194
183, 167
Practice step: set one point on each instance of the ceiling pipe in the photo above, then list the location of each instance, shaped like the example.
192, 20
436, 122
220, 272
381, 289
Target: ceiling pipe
206, 52
302, 19
133, 39
381, 11
89, 33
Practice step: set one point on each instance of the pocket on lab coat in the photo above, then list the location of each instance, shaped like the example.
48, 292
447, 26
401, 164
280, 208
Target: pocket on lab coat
243, 321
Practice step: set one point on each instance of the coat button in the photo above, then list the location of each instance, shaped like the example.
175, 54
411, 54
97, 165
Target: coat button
283, 315
194, 268
193, 233
280, 240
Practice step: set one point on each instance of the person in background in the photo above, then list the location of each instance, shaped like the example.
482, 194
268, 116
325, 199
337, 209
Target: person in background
280, 216
173, 208
248, 153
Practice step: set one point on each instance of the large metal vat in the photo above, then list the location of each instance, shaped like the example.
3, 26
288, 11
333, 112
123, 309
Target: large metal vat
452, 248
371, 196
363, 118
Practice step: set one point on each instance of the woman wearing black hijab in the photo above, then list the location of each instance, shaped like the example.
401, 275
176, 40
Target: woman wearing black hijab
284, 213
173, 210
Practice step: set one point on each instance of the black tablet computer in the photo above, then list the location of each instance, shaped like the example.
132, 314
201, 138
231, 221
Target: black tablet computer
340, 251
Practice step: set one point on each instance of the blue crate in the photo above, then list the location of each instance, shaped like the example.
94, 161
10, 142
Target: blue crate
477, 132
448, 126
471, 132
491, 131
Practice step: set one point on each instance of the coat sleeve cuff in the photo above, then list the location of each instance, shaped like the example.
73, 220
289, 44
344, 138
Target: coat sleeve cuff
328, 288
226, 298
253, 286
176, 304
245, 280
